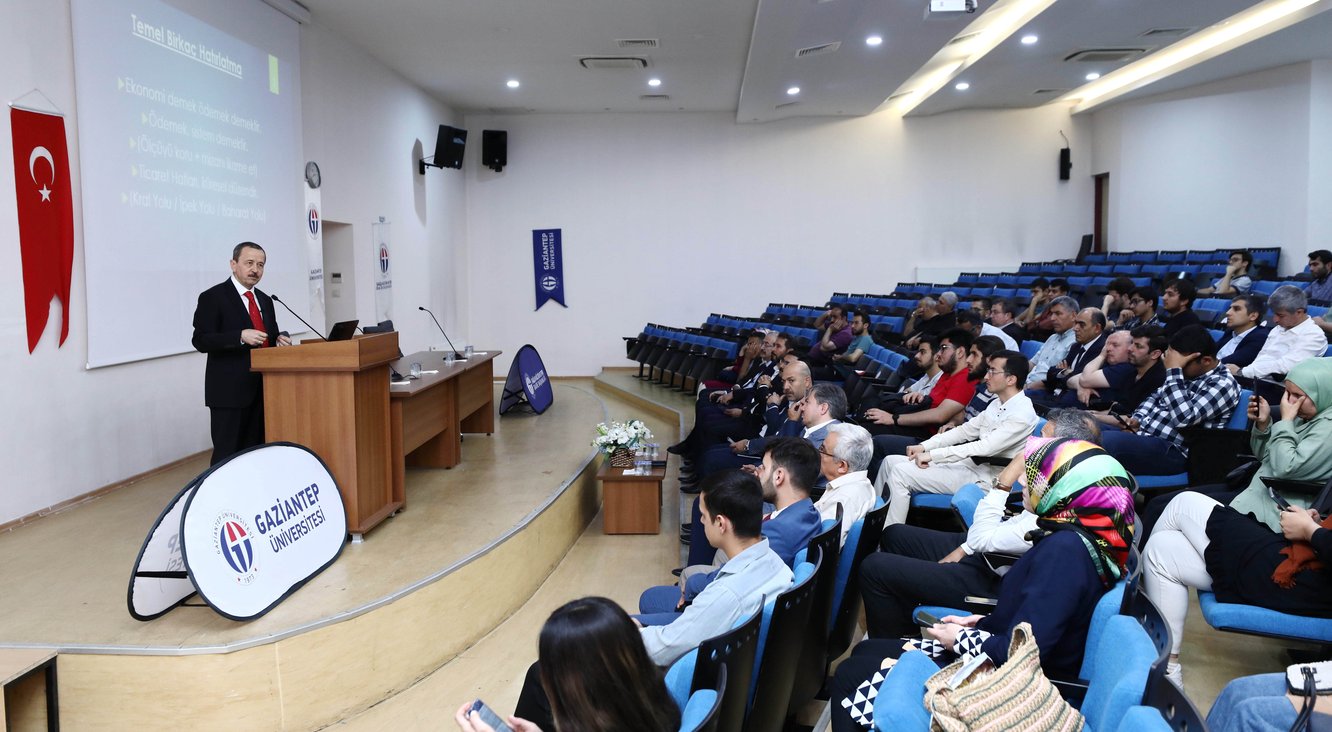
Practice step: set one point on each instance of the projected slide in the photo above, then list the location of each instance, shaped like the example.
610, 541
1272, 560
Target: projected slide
188, 122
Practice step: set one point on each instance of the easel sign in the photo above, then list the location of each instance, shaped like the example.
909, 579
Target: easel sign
244, 535
527, 383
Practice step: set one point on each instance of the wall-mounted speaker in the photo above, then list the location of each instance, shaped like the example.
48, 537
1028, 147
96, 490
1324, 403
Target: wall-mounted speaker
1065, 163
449, 147
494, 149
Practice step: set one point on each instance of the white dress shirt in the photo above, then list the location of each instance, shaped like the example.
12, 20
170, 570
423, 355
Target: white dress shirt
1001, 430
1286, 347
854, 492
990, 330
1233, 343
811, 430
991, 532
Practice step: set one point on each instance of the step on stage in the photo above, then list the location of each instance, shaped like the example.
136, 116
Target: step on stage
472, 544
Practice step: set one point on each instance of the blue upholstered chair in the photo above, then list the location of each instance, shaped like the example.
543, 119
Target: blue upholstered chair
1235, 430
779, 647
862, 539
1164, 709
701, 712
1254, 620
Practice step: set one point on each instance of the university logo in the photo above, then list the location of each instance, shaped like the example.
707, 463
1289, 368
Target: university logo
535, 381
383, 259
312, 220
231, 538
549, 283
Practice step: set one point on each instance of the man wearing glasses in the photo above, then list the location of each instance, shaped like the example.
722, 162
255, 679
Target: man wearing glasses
1141, 310
943, 463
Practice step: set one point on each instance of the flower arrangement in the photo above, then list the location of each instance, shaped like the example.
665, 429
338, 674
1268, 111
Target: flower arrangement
628, 435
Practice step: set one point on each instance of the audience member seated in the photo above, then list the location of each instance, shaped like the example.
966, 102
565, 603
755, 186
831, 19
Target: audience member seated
894, 431
1245, 333
978, 362
732, 506
787, 474
1119, 388
943, 463
920, 566
981, 306
834, 336
1089, 338
1041, 325
1320, 266
1295, 338
1260, 703
1293, 448
592, 673
974, 323
737, 412
1002, 317
843, 460
781, 416
1177, 302
1062, 311
1084, 503
931, 317
844, 362
1201, 543
1142, 310
1198, 391
1116, 301
749, 358
1236, 281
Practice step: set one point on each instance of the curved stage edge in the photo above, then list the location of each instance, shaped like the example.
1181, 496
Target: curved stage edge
315, 676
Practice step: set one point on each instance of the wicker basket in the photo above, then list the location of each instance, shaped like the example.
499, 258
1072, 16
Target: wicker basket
622, 458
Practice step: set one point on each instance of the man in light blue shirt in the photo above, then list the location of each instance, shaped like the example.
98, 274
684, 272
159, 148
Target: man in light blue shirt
1062, 312
732, 506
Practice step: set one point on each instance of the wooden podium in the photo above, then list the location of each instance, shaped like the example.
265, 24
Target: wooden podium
333, 397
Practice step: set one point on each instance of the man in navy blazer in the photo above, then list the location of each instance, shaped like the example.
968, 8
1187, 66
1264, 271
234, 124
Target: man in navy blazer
225, 328
1245, 335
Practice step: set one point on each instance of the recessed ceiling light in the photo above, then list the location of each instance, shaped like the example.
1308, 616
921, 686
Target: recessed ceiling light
1093, 76
874, 41
511, 83
1029, 39
961, 86
654, 82
793, 91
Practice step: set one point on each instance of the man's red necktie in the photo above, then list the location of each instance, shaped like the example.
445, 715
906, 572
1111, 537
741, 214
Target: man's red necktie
255, 318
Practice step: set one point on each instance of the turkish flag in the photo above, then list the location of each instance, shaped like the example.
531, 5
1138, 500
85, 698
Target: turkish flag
45, 215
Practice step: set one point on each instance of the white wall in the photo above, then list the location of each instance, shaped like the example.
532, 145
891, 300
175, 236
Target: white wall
1239, 162
69, 430
669, 217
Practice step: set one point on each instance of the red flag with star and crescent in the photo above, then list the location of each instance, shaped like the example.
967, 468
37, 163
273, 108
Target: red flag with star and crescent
45, 216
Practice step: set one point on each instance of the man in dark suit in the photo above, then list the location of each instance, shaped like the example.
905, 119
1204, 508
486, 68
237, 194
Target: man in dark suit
231, 319
1245, 333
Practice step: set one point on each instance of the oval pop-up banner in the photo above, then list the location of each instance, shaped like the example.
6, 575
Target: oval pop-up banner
260, 525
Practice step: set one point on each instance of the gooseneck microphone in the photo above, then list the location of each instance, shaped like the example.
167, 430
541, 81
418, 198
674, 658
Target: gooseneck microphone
278, 300
456, 352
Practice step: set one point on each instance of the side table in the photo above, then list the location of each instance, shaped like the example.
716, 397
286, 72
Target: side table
631, 504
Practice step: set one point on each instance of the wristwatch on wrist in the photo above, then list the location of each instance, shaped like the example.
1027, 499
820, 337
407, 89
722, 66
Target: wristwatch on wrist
895, 419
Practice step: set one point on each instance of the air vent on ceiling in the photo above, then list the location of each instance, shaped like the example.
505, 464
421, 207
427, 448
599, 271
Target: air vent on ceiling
962, 39
1166, 33
1049, 91
654, 97
632, 43
1105, 55
613, 63
787, 104
819, 50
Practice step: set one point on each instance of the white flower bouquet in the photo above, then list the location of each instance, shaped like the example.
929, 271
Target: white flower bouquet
629, 435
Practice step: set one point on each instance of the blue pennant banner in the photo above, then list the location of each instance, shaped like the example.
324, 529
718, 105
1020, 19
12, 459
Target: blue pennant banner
548, 266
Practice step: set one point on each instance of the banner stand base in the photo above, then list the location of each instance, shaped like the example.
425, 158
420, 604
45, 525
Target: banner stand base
527, 383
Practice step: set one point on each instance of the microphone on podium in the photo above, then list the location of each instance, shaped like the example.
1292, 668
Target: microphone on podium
456, 353
278, 300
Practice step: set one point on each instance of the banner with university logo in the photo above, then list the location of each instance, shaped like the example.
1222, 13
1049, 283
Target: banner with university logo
383, 272
548, 266
527, 382
45, 217
314, 255
244, 535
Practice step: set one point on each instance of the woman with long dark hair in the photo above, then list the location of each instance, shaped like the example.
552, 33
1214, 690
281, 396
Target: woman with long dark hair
595, 674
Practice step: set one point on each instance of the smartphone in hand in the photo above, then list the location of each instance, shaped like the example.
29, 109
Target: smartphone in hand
1276, 497
926, 620
488, 715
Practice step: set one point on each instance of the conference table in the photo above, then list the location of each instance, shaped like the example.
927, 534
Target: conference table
336, 398
428, 415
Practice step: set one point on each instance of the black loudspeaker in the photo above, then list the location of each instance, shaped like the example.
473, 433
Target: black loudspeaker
494, 149
449, 146
1065, 163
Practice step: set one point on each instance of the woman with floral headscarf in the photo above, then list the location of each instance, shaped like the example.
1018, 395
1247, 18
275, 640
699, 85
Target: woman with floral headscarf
1252, 552
1084, 500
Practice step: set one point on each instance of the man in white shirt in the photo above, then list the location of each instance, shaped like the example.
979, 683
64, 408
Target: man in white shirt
1062, 313
975, 323
927, 567
943, 463
844, 458
1295, 338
